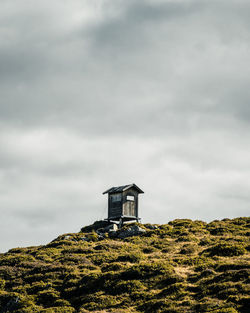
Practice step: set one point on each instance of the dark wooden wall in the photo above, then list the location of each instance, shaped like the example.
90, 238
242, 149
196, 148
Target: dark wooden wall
124, 207
115, 208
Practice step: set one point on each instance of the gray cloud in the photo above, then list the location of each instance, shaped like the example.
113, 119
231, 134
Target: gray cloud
100, 93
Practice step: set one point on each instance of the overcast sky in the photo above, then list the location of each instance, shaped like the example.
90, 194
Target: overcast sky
101, 93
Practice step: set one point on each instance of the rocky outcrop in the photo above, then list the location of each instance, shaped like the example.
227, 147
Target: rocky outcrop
133, 230
114, 232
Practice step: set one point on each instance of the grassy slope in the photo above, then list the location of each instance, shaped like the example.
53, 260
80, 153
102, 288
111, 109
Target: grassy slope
183, 266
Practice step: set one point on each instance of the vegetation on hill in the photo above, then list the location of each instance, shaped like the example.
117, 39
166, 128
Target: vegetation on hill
182, 266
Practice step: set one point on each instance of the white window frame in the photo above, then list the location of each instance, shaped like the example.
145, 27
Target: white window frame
130, 198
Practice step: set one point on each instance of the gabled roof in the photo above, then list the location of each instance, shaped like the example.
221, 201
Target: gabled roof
123, 188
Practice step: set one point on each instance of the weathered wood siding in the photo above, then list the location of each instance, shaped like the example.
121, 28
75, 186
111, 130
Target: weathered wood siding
130, 208
123, 204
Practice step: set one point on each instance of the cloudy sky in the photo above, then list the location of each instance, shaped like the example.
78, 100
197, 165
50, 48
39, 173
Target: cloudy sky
99, 93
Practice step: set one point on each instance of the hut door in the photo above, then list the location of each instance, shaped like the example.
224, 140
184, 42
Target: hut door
129, 207
132, 208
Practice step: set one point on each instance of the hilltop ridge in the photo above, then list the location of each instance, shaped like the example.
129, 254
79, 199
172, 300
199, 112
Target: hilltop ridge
182, 266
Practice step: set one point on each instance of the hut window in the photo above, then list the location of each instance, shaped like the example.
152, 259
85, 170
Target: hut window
131, 198
116, 198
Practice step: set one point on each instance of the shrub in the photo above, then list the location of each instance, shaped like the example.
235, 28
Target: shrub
95, 226
129, 286
132, 257
13, 260
205, 241
218, 231
16, 250
14, 302
58, 310
92, 236
2, 284
62, 303
36, 287
154, 305
97, 301
48, 297
231, 266
101, 258
175, 288
181, 222
188, 249
186, 237
225, 310
228, 250
148, 250
145, 270
116, 266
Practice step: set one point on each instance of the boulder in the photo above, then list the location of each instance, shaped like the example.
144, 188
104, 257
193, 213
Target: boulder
131, 231
110, 228
150, 226
67, 237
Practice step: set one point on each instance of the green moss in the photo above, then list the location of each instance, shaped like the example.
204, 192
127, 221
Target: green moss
225, 310
173, 289
2, 284
98, 301
133, 257
154, 305
13, 260
188, 249
183, 266
145, 270
116, 266
62, 303
127, 286
47, 297
95, 226
92, 236
58, 310
227, 250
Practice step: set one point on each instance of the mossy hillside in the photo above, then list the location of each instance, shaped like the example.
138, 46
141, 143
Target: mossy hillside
182, 266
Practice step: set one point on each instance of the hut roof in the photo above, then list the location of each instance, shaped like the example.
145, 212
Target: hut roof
123, 188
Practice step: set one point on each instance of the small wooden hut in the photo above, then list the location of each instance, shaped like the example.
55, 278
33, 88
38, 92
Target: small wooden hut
123, 203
